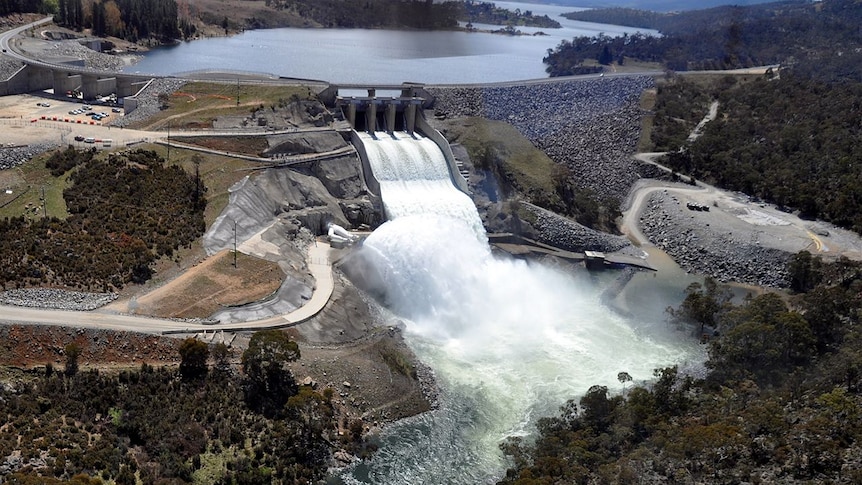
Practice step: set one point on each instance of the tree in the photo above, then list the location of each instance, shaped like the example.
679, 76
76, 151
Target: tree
803, 272
624, 378
72, 351
703, 304
193, 358
763, 339
221, 356
269, 383
606, 57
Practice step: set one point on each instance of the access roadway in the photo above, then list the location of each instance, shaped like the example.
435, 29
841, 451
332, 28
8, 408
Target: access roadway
319, 265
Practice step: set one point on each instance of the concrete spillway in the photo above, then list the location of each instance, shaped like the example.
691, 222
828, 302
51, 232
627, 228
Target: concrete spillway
414, 178
509, 341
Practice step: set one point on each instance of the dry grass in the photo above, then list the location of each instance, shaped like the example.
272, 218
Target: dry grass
198, 104
28, 182
532, 170
212, 285
247, 145
647, 103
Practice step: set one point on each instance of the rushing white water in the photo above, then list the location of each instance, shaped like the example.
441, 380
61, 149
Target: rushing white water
414, 178
509, 342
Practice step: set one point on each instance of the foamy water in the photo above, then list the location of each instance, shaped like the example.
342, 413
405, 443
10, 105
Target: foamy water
509, 341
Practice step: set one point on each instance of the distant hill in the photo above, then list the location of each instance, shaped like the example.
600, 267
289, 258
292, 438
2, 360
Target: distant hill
654, 5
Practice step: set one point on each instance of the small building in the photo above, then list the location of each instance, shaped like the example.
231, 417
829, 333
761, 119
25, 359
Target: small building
594, 259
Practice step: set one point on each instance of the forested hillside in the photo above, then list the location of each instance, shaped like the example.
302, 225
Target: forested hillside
720, 38
794, 141
132, 20
124, 213
199, 424
25, 6
490, 13
780, 402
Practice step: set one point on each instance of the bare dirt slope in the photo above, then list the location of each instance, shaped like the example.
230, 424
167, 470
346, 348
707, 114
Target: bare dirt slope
208, 287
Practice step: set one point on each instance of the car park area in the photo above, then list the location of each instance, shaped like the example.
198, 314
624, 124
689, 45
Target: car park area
26, 120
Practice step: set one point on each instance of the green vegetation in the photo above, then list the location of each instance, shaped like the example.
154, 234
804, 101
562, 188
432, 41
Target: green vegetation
722, 38
270, 383
413, 14
193, 358
523, 169
124, 213
780, 402
396, 360
132, 20
27, 6
489, 13
794, 141
149, 426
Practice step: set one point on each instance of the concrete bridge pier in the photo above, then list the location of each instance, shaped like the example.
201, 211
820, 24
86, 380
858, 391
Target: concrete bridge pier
351, 115
371, 115
65, 82
92, 86
410, 115
391, 110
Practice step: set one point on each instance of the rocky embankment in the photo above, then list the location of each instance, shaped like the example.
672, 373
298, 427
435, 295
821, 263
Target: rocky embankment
148, 100
11, 157
9, 66
98, 61
591, 126
703, 249
561, 232
56, 299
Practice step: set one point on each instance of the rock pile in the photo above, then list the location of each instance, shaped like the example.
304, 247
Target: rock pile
9, 66
148, 100
11, 157
698, 248
563, 233
56, 299
591, 126
92, 59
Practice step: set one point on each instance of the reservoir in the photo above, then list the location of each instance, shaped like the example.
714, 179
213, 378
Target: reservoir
365, 56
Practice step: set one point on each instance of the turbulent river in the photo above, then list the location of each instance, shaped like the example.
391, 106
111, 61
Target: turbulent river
509, 341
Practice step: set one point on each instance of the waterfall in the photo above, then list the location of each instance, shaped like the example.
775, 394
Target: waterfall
509, 341
414, 179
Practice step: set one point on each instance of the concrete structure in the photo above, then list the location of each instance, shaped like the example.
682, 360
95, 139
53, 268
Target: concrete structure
62, 77
398, 113
381, 113
37, 76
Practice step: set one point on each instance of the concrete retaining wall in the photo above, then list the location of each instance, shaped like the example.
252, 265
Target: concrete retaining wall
457, 179
370, 181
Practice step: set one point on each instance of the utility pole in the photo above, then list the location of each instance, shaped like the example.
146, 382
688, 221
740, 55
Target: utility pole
234, 243
169, 141
237, 91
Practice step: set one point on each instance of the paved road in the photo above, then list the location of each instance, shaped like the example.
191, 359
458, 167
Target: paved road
6, 40
319, 265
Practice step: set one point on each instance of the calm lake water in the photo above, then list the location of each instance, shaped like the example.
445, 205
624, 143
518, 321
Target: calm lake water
378, 56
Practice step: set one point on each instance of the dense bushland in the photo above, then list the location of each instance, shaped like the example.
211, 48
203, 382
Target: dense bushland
166, 426
780, 403
124, 213
721, 38
793, 141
